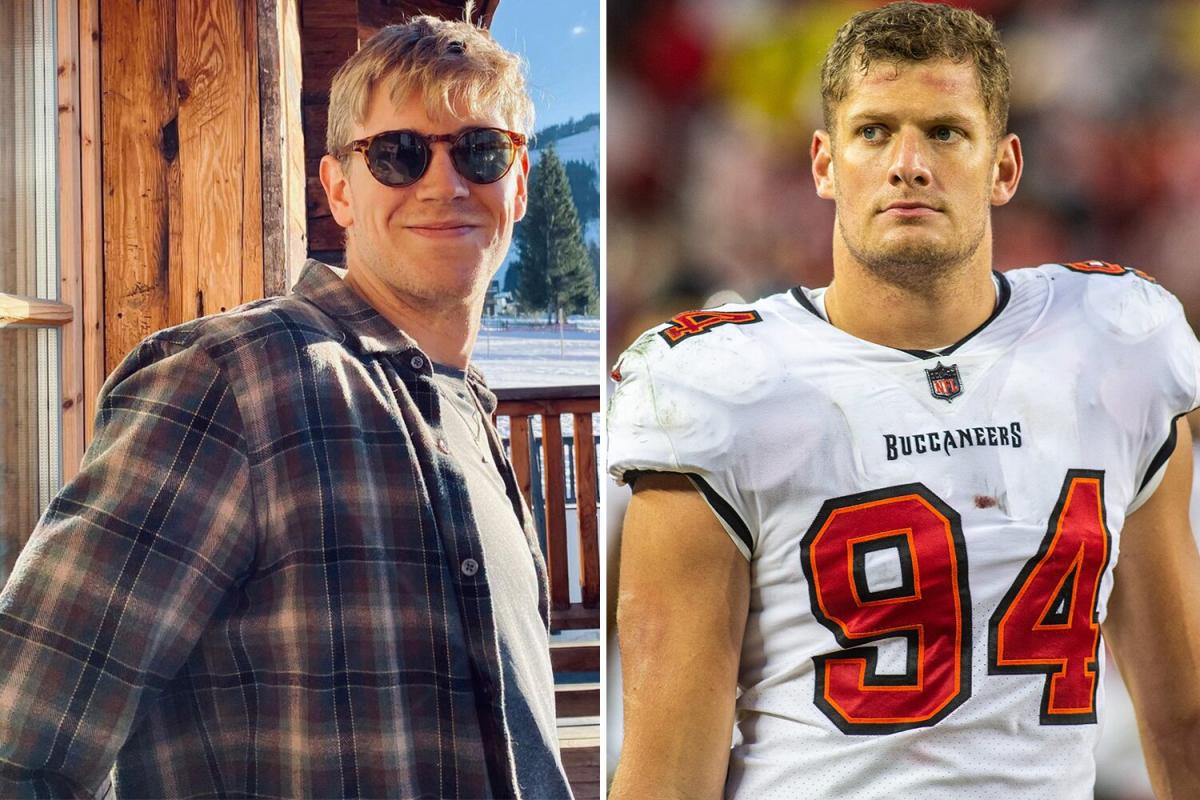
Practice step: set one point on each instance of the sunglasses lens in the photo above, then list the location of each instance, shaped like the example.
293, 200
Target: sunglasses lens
398, 158
484, 155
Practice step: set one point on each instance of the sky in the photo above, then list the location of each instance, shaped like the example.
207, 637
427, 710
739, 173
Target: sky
561, 41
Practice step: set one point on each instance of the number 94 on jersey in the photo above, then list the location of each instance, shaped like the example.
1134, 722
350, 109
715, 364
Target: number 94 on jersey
1045, 625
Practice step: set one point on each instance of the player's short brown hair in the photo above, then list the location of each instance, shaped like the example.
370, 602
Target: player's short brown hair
912, 31
454, 67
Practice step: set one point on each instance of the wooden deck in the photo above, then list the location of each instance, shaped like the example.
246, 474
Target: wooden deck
577, 692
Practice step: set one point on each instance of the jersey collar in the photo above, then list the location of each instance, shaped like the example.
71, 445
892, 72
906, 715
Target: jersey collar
1003, 295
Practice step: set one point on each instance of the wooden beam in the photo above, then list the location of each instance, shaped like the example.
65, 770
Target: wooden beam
533, 407
70, 244
576, 732
577, 699
554, 477
585, 507
587, 391
294, 146
327, 14
574, 617
519, 447
251, 284
22, 310
92, 213
217, 160
325, 50
283, 144
581, 762
270, 100
140, 136
570, 656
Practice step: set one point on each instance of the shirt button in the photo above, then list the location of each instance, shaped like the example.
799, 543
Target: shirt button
443, 446
417, 362
469, 567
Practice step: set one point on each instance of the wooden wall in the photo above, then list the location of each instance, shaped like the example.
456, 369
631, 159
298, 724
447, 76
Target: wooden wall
328, 36
182, 160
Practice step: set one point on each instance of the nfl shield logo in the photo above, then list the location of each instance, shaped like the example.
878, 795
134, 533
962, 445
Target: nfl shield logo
944, 383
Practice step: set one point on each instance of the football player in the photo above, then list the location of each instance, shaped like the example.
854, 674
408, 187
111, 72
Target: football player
879, 529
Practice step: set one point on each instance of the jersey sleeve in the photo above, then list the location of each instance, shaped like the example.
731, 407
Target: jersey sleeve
1169, 374
668, 414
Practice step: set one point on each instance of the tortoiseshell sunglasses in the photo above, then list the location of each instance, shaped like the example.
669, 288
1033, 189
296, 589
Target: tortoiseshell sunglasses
400, 158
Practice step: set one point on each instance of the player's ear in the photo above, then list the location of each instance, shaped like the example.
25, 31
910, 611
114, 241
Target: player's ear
822, 163
337, 190
1006, 174
521, 201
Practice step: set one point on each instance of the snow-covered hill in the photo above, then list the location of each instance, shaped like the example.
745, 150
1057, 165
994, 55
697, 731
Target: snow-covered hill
583, 146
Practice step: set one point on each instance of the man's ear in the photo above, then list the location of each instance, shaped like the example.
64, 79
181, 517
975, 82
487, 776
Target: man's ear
1007, 172
822, 164
521, 201
337, 190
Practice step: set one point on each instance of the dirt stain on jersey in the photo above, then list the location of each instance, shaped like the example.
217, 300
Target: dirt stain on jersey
984, 501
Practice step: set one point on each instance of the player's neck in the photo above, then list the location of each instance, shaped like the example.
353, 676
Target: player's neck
919, 318
447, 335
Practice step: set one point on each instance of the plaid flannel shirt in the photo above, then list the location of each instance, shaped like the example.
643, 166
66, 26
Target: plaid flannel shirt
263, 582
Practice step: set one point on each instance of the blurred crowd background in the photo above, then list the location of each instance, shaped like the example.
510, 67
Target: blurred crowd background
711, 108
712, 105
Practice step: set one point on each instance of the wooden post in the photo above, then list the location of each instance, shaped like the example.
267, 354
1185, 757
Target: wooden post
556, 512
92, 220
197, 131
217, 157
283, 212
585, 507
140, 139
519, 446
70, 246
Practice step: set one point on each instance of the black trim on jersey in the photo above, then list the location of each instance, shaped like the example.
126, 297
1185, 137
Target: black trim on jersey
1048, 670
724, 510
871, 654
1162, 456
897, 542
802, 299
1004, 294
718, 504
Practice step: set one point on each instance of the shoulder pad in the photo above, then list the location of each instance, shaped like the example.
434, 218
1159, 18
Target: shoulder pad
1120, 301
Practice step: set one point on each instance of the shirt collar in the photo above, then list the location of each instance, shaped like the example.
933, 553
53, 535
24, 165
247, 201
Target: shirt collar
366, 329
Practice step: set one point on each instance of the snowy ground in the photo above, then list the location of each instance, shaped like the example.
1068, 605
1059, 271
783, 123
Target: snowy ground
517, 353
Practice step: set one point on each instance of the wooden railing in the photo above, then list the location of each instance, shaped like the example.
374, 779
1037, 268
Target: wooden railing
548, 499
545, 484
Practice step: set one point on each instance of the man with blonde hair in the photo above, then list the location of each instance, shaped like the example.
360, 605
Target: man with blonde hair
878, 528
295, 562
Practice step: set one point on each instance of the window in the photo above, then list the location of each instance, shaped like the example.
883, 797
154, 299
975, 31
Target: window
39, 228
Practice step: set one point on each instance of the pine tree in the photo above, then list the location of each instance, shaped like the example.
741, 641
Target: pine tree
553, 268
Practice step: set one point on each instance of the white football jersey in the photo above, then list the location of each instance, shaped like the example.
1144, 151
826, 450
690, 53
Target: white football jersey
933, 536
